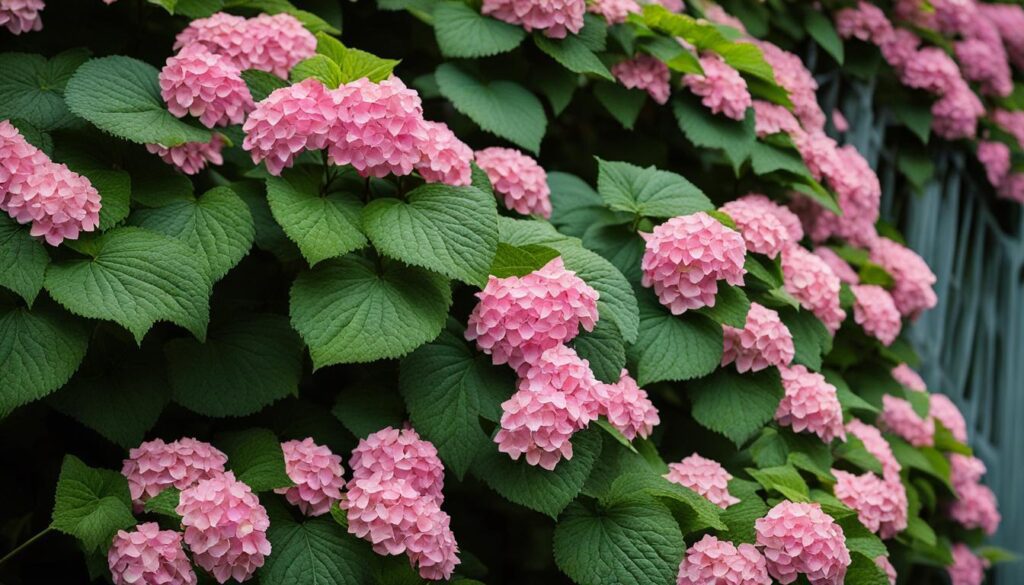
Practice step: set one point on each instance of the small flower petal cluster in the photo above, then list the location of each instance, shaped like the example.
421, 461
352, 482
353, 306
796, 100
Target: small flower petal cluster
786, 217
956, 114
1009, 22
18, 161
203, 84
148, 555
809, 279
291, 119
975, 505
1012, 122
967, 568
875, 311
518, 179
685, 257
722, 89
772, 118
446, 159
20, 16
866, 22
764, 341
913, 280
932, 70
881, 505
613, 11
876, 445
555, 18
898, 417
556, 397
705, 476
394, 501
191, 157
985, 63
763, 231
316, 472
519, 318
795, 78
799, 538
711, 561
839, 121
965, 469
644, 72
268, 43
626, 406
882, 562
810, 404
942, 409
840, 267
906, 376
225, 527
995, 157
155, 465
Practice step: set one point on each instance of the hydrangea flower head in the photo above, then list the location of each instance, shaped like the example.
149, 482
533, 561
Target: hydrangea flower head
722, 89
956, 114
155, 465
839, 121
882, 562
965, 469
705, 476
58, 202
912, 278
518, 179
391, 455
976, 507
711, 561
932, 70
987, 64
644, 72
379, 127
445, 158
813, 283
801, 539
291, 119
149, 555
898, 417
900, 48
18, 160
764, 341
906, 376
432, 547
786, 217
881, 505
191, 157
718, 15
685, 257
205, 85
627, 407
875, 311
795, 78
1012, 122
839, 266
519, 318
555, 18
763, 232
995, 157
225, 527
268, 43
613, 11
316, 472
866, 22
810, 404
967, 568
20, 16
772, 118
1009, 22
876, 445
942, 409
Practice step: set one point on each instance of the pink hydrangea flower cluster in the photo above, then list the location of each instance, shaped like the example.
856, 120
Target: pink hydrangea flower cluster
20, 16
613, 11
1012, 122
445, 158
786, 217
722, 89
760, 223
555, 18
995, 157
225, 527
291, 119
906, 376
956, 114
316, 472
394, 501
556, 397
191, 157
518, 179
912, 278
626, 406
975, 505
644, 72
203, 84
866, 22
875, 311
942, 409
986, 63
898, 417
839, 121
840, 267
59, 203
764, 341
518, 318
705, 476
795, 78
268, 43
148, 555
809, 279
967, 568
810, 404
965, 469
883, 563
772, 118
876, 445
711, 561
1009, 22
685, 257
881, 504
800, 538
155, 465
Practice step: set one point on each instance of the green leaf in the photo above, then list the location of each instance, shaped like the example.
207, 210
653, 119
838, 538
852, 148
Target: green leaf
261, 84
736, 405
557, 84
995, 554
115, 189
784, 479
311, 21
32, 88
91, 504
356, 64
821, 30
322, 225
463, 32
218, 225
694, 513
648, 192
547, 492
604, 349
674, 55
863, 570
120, 95
316, 551
256, 458
503, 108
135, 278
520, 260
768, 158
674, 348
244, 365
165, 503
366, 409
861, 540
573, 54
740, 517
452, 230
333, 304
630, 541
622, 103
23, 260
448, 387
810, 337
736, 139
853, 451
320, 68
731, 306
39, 351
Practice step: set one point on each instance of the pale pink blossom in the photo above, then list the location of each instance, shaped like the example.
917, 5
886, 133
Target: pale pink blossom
840, 121
20, 16
705, 476
932, 70
882, 562
58, 202
900, 48
866, 22
762, 230
967, 568
995, 157
764, 341
772, 118
555, 18
191, 157
913, 280
155, 465
722, 89
613, 11
199, 83
795, 78
909, 378
898, 417
799, 538
956, 114
290, 120
316, 472
986, 64
875, 311
840, 267
877, 446
268, 43
1012, 122
627, 407
518, 179
810, 404
644, 72
881, 505
965, 469
813, 283
445, 158
718, 15
711, 561
391, 455
976, 507
18, 161
942, 409
149, 556
1009, 22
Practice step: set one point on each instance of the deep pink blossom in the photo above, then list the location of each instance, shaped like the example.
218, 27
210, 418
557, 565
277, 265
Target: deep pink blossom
58, 202
205, 85
711, 561
799, 538
956, 114
685, 257
518, 179
1009, 22
445, 158
898, 417
722, 89
268, 43
882, 562
943, 410
19, 16
909, 378
810, 404
913, 280
844, 271
762, 230
772, 118
519, 318
555, 18
316, 472
290, 120
900, 48
866, 22
875, 311
932, 70
705, 476
391, 455
995, 157
431, 546
627, 407
813, 283
876, 445
613, 11
986, 64
644, 72
155, 465
764, 341
149, 556
191, 157
967, 568
881, 505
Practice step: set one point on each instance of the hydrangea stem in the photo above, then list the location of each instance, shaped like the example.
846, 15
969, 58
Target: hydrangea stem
25, 544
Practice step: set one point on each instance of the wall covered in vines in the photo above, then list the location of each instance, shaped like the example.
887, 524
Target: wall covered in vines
543, 291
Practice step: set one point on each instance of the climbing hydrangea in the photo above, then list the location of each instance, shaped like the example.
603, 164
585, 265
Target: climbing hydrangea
898, 417
148, 555
704, 476
881, 505
555, 18
518, 179
799, 538
155, 465
646, 73
721, 88
711, 560
875, 311
809, 279
316, 472
764, 341
810, 404
627, 407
